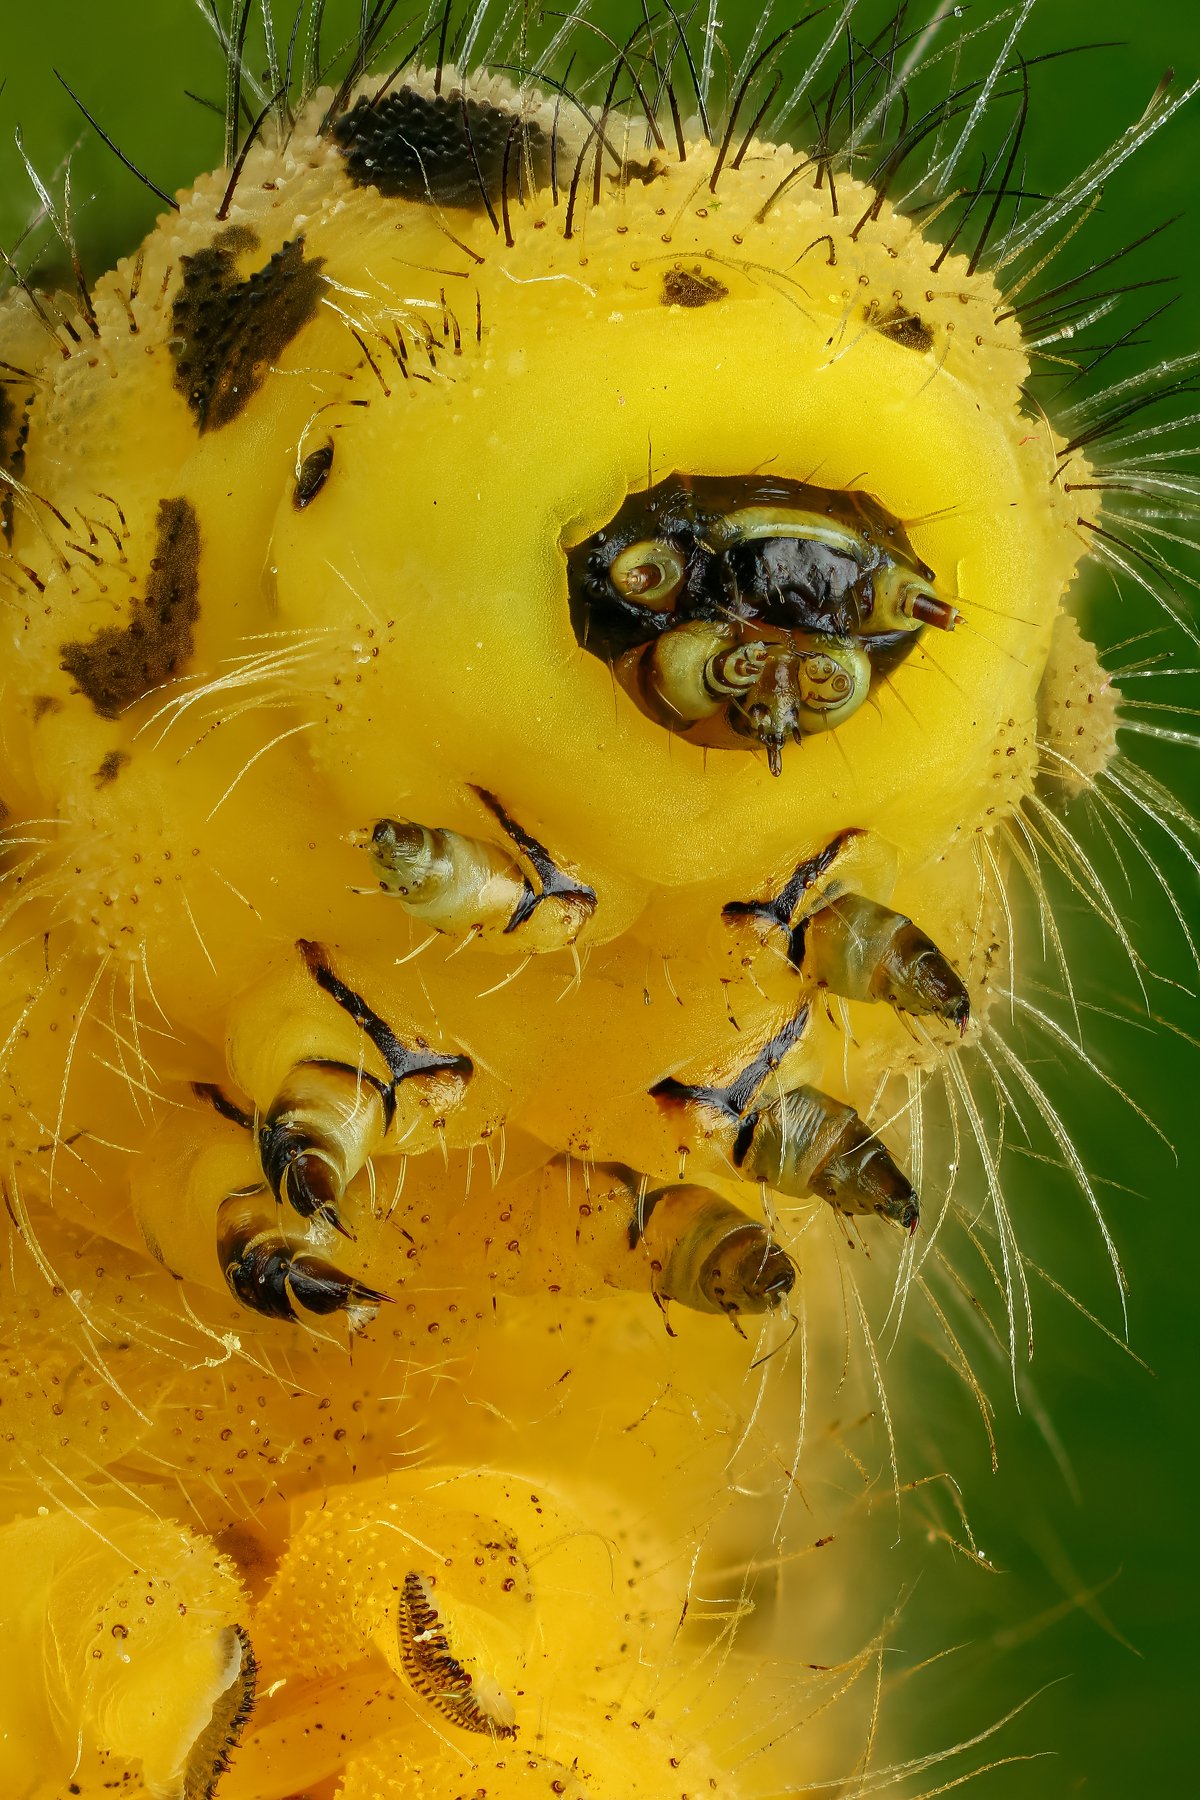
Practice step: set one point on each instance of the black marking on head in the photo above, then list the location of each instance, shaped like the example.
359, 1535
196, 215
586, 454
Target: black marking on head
121, 663
314, 472
552, 881
903, 328
447, 149
779, 910
110, 768
226, 333
736, 1099
691, 288
222, 1104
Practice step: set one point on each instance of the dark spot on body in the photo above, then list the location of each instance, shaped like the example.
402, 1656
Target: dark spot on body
226, 333
447, 149
314, 472
121, 663
903, 328
41, 704
16, 398
110, 768
645, 172
691, 287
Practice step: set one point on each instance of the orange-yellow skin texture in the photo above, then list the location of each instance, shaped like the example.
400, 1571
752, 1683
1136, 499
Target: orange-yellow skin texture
422, 606
400, 641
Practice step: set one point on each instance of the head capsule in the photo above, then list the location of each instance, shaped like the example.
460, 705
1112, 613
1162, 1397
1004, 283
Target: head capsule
750, 608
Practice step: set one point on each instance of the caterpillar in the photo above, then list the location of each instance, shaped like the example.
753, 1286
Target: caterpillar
538, 659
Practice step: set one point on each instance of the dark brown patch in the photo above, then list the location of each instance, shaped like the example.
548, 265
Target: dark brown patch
226, 333
110, 768
903, 328
122, 662
16, 397
691, 287
632, 170
442, 148
41, 704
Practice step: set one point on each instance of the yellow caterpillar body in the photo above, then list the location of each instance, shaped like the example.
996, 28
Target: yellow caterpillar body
531, 625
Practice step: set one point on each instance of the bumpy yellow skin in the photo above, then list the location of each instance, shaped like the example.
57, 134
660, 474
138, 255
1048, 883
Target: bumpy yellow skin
397, 643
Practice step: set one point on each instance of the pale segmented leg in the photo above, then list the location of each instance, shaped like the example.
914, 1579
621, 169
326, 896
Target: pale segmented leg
269, 1275
468, 888
802, 1142
205, 1217
855, 946
329, 1117
323, 1122
707, 1254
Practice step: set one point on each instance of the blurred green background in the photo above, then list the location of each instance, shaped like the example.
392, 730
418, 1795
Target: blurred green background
1093, 1537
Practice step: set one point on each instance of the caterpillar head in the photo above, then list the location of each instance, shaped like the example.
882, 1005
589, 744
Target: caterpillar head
703, 442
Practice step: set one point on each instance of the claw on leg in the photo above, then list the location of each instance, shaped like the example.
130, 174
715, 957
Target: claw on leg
320, 1130
328, 1118
707, 1254
802, 1142
265, 1273
856, 947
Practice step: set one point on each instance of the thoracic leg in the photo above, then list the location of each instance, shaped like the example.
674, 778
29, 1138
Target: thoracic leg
270, 1275
265, 1186
206, 1215
322, 1117
856, 947
466, 887
800, 1142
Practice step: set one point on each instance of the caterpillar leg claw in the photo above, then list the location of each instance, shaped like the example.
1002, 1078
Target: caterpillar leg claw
315, 1123
801, 1142
707, 1254
328, 1117
265, 1273
468, 888
319, 1131
854, 946
699, 1249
